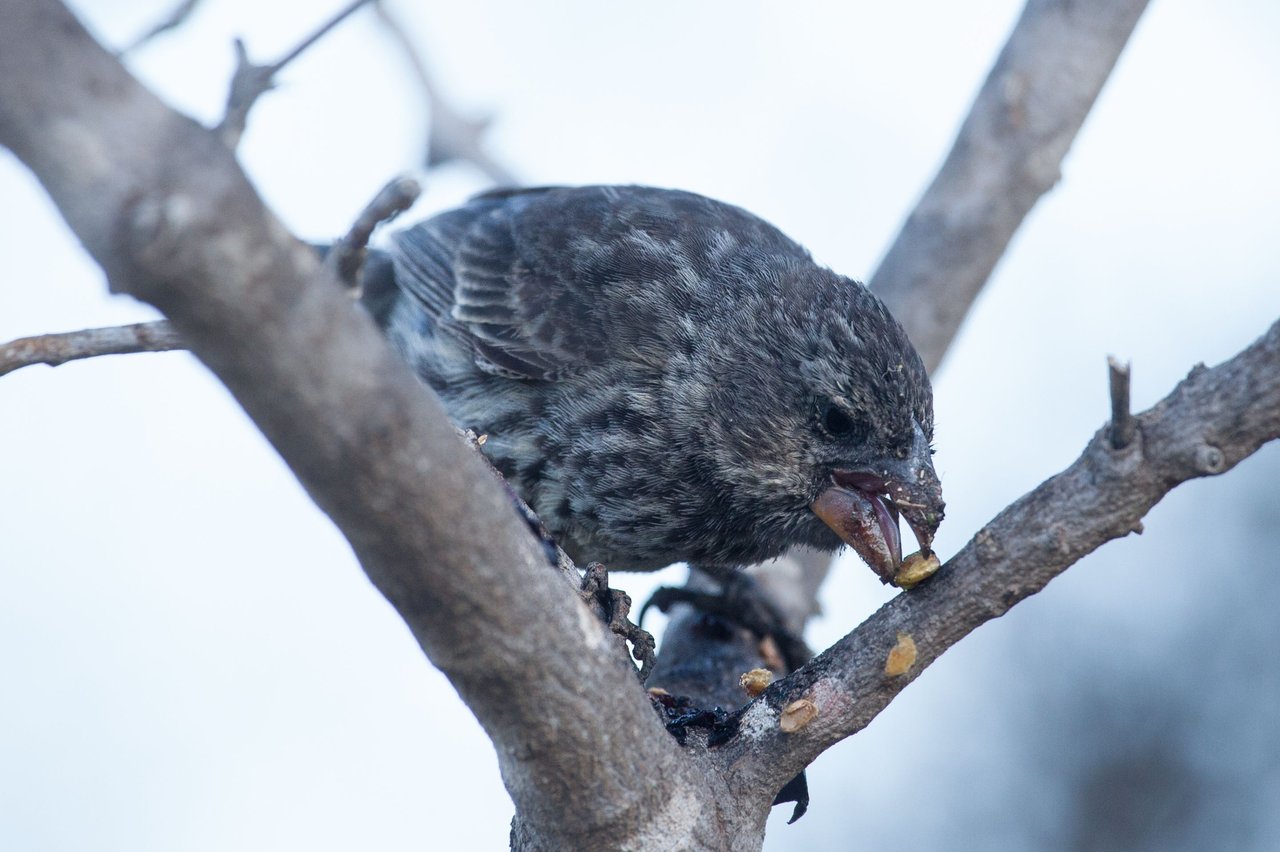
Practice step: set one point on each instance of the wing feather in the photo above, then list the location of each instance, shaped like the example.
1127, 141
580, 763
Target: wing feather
547, 282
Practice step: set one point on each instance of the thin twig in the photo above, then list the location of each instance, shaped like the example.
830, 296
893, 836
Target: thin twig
250, 81
348, 254
55, 349
452, 136
171, 21
1122, 422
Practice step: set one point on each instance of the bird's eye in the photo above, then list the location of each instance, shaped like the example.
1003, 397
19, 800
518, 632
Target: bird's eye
839, 423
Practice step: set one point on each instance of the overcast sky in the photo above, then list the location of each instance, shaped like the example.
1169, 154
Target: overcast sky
190, 657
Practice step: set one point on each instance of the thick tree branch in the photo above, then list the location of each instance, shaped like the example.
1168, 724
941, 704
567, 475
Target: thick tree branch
1210, 422
55, 349
453, 137
1007, 155
161, 203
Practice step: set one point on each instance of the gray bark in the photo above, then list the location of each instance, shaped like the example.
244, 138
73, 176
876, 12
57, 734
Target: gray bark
161, 204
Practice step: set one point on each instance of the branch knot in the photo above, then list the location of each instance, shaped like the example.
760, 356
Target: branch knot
1210, 460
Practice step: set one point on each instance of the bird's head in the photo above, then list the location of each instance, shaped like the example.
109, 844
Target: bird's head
834, 446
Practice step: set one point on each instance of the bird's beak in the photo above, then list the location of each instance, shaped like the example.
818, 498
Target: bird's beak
863, 506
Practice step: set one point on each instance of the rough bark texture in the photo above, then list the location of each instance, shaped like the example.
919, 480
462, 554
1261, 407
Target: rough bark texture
164, 208
162, 205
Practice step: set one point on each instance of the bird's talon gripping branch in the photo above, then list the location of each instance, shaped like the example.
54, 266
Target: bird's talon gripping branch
614, 606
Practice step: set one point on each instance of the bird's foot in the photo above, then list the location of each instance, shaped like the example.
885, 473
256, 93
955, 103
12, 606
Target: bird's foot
743, 602
613, 606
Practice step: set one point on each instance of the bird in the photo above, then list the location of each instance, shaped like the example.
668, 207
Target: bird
666, 378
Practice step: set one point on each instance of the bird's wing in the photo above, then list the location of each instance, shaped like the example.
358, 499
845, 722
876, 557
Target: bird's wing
548, 282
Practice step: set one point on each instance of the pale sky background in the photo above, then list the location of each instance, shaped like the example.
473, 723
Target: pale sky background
190, 659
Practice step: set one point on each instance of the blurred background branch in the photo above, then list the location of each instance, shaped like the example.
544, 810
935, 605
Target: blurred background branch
453, 137
176, 18
251, 81
1008, 154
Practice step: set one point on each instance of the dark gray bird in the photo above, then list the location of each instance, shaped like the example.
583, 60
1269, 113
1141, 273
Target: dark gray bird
663, 377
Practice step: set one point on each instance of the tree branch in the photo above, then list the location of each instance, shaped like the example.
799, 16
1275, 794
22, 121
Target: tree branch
1007, 155
250, 81
452, 135
347, 255
1210, 422
176, 18
162, 205
1122, 423
56, 349
345, 259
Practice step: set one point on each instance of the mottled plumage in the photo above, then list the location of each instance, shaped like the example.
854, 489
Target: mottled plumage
664, 377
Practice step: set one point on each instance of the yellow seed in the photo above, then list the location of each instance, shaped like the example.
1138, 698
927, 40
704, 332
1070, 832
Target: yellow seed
915, 569
755, 681
902, 656
796, 715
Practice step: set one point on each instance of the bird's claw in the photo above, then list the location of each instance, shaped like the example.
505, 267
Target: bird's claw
613, 606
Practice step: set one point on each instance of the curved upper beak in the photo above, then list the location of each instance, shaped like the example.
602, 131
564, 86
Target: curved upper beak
863, 505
